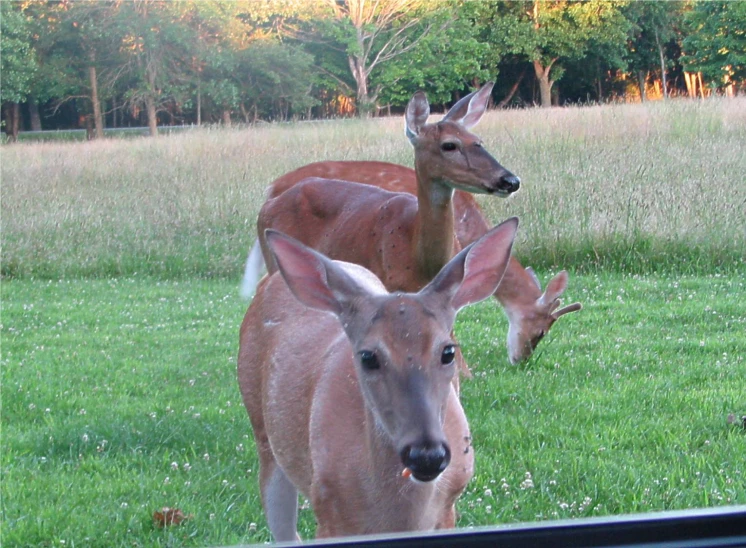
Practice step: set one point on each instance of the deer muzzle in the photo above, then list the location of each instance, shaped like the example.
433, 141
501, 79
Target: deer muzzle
426, 462
507, 184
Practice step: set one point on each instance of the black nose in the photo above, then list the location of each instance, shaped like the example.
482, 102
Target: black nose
426, 462
509, 183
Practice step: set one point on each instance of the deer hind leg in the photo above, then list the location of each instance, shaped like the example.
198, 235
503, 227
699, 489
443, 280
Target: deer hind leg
279, 497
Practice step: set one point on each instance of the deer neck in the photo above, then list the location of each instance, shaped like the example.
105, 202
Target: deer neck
433, 235
517, 291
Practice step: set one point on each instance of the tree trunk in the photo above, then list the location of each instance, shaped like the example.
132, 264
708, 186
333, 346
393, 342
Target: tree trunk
199, 103
363, 102
152, 116
98, 120
642, 77
545, 84
150, 98
701, 86
33, 111
12, 120
664, 81
691, 84
511, 93
227, 117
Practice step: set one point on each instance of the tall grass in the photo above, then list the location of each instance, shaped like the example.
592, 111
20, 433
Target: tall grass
650, 187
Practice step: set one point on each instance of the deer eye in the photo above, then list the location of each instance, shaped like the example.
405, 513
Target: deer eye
448, 355
369, 360
448, 146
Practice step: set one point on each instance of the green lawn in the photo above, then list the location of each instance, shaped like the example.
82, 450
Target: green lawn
119, 398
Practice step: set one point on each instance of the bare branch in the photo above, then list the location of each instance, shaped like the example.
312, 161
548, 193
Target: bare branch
394, 44
61, 102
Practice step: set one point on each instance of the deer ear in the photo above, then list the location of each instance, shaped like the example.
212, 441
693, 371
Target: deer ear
313, 278
469, 110
418, 111
555, 288
474, 274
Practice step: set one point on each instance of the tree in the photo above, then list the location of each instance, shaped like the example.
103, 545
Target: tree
441, 62
77, 43
716, 45
18, 64
546, 33
370, 34
248, 68
654, 25
158, 47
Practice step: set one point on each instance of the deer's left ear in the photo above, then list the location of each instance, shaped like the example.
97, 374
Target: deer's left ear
469, 110
474, 274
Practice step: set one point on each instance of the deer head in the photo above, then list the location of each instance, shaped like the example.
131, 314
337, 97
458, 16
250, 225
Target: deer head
403, 350
530, 322
448, 153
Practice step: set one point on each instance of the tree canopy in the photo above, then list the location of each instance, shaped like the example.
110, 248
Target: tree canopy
156, 62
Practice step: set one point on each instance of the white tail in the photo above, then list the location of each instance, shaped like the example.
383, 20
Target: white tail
519, 293
349, 389
253, 272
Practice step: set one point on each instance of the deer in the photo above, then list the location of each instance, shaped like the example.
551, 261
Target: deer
349, 389
438, 175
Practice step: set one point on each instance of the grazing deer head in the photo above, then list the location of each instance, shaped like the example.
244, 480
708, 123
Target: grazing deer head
533, 312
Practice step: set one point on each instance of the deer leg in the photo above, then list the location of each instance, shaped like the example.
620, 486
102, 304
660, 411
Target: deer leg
279, 497
447, 518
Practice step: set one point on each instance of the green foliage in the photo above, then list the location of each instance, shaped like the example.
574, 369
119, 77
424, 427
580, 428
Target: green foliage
276, 60
716, 45
653, 24
17, 56
543, 31
443, 62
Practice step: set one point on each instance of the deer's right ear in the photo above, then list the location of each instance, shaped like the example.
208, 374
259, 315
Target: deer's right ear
418, 111
314, 279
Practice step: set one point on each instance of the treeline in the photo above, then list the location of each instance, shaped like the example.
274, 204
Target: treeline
118, 63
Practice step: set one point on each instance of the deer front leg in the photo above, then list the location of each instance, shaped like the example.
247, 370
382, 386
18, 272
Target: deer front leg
447, 519
279, 497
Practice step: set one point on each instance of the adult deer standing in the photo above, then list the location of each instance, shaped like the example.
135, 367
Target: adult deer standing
347, 222
347, 386
531, 312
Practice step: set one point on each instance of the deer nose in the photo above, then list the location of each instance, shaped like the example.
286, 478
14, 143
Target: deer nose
508, 183
426, 463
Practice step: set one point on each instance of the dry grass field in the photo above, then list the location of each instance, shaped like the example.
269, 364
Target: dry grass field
629, 187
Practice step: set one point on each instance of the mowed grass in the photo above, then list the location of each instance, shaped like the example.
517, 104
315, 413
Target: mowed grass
633, 188
120, 398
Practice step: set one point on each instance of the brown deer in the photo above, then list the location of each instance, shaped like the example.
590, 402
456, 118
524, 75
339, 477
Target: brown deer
349, 389
530, 311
